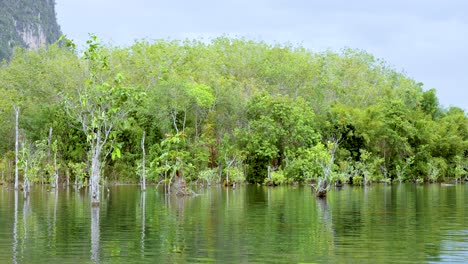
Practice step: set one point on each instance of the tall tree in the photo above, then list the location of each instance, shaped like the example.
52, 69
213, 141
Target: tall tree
100, 105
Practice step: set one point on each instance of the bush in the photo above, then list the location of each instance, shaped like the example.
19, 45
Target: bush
339, 176
208, 176
302, 169
235, 175
437, 169
358, 180
277, 178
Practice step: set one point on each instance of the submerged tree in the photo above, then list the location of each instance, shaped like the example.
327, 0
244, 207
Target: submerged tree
100, 106
325, 157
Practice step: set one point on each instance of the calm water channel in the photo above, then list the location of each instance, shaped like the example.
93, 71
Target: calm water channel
251, 224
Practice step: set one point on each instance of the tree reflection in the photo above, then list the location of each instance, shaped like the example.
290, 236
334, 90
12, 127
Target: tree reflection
25, 215
95, 234
143, 222
327, 216
15, 229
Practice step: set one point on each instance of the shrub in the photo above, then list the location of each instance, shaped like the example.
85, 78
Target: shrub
235, 175
358, 180
277, 178
208, 176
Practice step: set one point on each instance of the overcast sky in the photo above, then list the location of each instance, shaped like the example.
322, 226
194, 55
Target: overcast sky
428, 39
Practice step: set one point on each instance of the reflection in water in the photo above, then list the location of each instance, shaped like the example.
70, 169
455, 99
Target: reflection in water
25, 229
15, 229
251, 224
143, 222
455, 249
95, 234
54, 224
327, 217
180, 237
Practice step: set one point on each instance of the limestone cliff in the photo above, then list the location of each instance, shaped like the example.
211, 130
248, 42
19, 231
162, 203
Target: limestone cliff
27, 23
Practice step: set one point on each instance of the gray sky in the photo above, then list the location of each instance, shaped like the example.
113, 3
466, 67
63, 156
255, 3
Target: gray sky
427, 39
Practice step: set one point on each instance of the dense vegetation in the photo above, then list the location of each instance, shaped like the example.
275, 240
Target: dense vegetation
229, 111
26, 17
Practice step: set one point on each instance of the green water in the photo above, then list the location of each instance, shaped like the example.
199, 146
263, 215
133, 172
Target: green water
251, 224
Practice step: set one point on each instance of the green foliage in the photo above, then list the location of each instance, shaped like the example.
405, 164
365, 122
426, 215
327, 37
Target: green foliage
277, 178
430, 103
460, 168
208, 176
232, 106
436, 169
234, 175
358, 180
402, 170
174, 158
277, 126
79, 173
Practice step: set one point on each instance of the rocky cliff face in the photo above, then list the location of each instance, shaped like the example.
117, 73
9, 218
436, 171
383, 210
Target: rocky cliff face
27, 23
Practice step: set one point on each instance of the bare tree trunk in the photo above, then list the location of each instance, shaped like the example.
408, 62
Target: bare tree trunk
327, 168
55, 169
174, 118
95, 171
67, 172
228, 165
26, 179
185, 120
49, 144
16, 145
95, 179
143, 181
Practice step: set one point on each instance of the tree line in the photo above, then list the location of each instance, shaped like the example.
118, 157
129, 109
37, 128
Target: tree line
227, 111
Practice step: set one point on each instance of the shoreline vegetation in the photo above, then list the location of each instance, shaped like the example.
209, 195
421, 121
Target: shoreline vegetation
231, 111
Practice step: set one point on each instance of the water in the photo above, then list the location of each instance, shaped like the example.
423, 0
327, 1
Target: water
251, 224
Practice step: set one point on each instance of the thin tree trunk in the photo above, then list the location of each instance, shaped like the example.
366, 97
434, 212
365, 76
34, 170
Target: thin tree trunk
143, 181
67, 172
16, 146
174, 118
26, 179
196, 124
95, 171
185, 120
95, 179
55, 169
49, 144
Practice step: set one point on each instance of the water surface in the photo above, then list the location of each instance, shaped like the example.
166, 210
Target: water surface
250, 224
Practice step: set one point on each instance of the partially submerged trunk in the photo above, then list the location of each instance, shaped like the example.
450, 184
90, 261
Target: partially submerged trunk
55, 170
181, 186
49, 150
26, 183
95, 172
95, 181
327, 167
54, 177
322, 188
143, 172
16, 146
